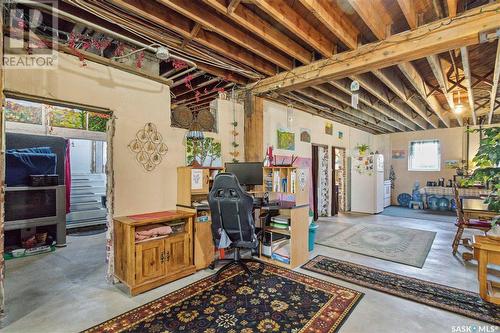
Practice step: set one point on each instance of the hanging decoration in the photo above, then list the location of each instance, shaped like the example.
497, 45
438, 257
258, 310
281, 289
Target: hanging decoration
149, 147
235, 153
355, 94
289, 116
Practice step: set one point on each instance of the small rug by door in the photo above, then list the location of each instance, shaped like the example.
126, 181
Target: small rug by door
276, 300
403, 245
455, 300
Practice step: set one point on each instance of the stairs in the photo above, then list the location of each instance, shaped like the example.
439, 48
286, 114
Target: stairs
86, 207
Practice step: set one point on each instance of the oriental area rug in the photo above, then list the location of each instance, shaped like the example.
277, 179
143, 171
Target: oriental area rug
455, 300
274, 300
402, 245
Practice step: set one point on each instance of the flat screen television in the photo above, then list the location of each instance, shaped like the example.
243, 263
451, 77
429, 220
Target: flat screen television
248, 173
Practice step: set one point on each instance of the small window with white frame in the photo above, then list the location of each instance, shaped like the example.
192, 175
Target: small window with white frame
424, 155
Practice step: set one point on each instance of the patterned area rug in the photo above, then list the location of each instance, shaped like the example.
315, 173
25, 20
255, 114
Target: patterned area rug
276, 300
403, 245
455, 300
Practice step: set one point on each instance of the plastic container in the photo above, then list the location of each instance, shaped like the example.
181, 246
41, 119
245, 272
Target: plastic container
312, 235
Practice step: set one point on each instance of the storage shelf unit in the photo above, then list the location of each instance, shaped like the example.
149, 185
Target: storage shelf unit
294, 191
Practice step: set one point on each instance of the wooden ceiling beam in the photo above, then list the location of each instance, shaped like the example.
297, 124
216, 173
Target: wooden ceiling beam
468, 81
409, 11
363, 112
163, 16
393, 82
439, 73
452, 7
431, 38
394, 118
215, 23
331, 16
414, 77
377, 89
280, 11
374, 15
254, 23
496, 79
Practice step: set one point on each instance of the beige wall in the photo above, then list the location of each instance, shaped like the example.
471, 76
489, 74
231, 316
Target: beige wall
275, 117
134, 101
453, 147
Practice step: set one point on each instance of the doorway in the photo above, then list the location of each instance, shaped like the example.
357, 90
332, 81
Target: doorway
339, 179
320, 182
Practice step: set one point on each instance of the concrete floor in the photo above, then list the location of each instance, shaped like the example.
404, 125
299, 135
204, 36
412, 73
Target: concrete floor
65, 291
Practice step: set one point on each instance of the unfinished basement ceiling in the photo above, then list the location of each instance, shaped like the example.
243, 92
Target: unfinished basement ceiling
237, 43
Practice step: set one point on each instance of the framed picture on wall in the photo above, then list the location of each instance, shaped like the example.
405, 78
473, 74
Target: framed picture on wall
305, 135
398, 154
340, 135
329, 128
286, 139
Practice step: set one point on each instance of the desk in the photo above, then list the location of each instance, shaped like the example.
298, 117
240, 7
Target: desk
476, 209
487, 251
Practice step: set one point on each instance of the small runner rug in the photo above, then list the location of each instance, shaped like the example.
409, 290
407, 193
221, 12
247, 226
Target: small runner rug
275, 300
455, 300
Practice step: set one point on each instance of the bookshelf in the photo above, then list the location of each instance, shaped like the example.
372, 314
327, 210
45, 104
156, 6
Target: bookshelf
289, 187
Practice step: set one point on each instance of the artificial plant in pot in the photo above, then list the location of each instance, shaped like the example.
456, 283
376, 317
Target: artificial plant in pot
362, 149
487, 160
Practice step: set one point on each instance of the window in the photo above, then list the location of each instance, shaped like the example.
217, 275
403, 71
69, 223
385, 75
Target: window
424, 156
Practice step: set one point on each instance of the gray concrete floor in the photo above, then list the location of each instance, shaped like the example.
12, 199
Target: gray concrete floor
65, 291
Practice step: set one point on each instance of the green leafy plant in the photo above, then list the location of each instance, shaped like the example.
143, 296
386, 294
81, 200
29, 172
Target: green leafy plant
487, 160
362, 148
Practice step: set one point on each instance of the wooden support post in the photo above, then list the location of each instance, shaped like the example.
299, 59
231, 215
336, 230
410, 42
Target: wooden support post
254, 129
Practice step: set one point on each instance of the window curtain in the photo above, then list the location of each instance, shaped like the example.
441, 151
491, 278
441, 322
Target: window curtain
110, 200
323, 184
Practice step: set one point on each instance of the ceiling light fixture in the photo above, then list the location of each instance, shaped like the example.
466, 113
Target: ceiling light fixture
459, 107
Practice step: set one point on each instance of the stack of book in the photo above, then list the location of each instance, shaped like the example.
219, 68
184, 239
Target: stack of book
280, 222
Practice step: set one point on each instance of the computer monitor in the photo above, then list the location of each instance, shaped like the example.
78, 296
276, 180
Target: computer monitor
248, 173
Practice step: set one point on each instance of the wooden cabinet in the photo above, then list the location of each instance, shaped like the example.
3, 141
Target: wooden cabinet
193, 184
146, 264
149, 261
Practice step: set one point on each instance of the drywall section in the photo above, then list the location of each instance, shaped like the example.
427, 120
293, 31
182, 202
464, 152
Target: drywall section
135, 101
276, 117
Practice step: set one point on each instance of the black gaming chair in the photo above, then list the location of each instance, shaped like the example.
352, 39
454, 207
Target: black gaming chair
231, 209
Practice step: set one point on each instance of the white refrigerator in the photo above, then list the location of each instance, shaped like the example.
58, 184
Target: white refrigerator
367, 184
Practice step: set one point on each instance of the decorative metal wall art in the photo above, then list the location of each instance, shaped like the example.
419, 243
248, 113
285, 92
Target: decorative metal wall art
149, 147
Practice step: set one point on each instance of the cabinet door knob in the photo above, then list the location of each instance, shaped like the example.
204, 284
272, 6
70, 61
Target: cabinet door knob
162, 257
168, 256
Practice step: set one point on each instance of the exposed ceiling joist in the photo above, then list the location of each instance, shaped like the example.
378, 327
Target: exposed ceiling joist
414, 77
439, 73
428, 39
468, 82
254, 23
362, 112
408, 9
394, 118
496, 79
339, 110
195, 12
452, 7
378, 90
163, 16
393, 82
280, 11
324, 114
328, 13
374, 15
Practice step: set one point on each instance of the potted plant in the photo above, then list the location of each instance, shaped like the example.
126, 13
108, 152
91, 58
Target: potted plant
362, 149
487, 160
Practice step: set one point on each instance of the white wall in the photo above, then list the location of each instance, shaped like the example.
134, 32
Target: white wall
275, 117
134, 101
